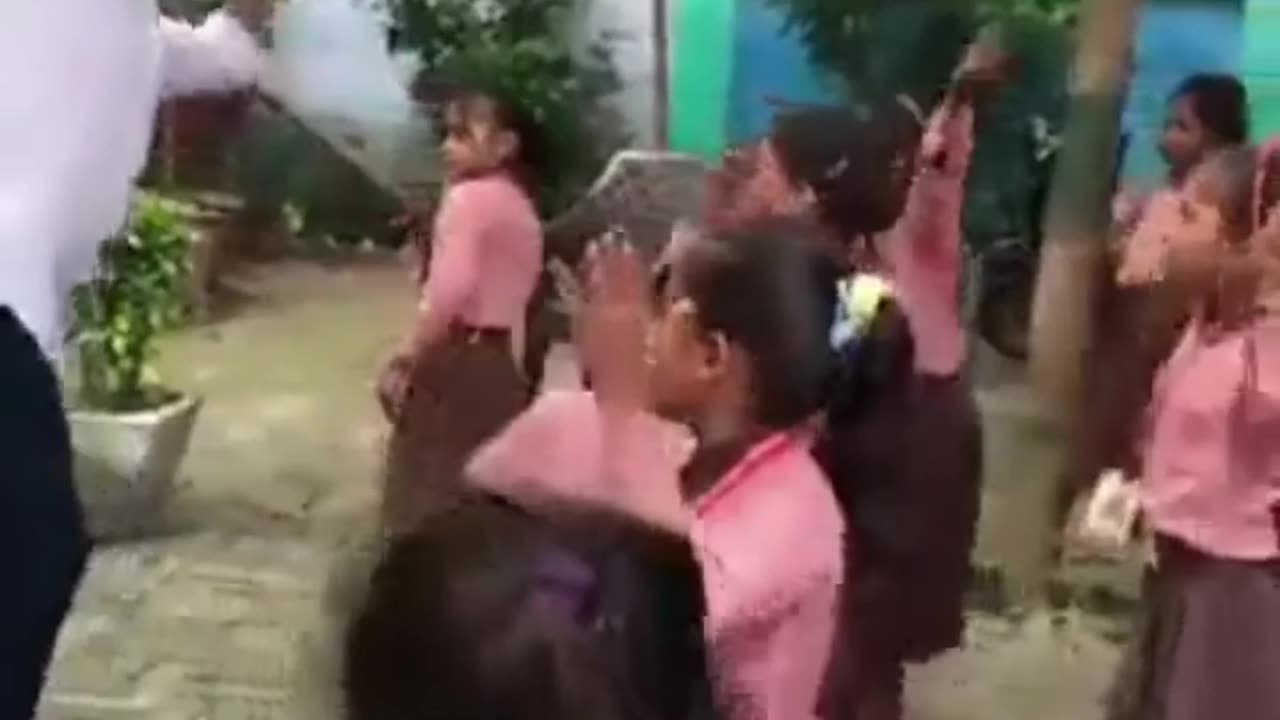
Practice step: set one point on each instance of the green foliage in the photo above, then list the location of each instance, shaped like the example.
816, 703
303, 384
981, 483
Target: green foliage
878, 48
520, 48
139, 292
891, 46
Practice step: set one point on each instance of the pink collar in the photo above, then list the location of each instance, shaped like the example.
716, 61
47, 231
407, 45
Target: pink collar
764, 453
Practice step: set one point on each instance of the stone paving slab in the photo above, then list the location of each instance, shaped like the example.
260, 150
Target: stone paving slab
197, 628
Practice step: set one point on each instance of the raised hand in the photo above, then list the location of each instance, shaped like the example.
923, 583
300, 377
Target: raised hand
984, 66
615, 317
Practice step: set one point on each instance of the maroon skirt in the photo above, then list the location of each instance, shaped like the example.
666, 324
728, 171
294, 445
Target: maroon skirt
1209, 641
461, 395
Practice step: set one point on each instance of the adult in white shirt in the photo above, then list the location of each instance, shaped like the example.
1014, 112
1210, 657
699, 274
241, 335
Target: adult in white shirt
80, 81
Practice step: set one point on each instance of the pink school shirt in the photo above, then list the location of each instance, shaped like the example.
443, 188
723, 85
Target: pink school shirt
768, 537
925, 249
1211, 475
486, 255
563, 448
1145, 247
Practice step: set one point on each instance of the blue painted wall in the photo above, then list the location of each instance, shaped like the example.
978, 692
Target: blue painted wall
1262, 64
768, 63
1175, 39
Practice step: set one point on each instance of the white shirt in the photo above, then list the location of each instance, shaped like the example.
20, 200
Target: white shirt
80, 83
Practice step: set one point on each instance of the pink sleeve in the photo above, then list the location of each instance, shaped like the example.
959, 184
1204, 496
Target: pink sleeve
453, 274
513, 461
562, 448
643, 455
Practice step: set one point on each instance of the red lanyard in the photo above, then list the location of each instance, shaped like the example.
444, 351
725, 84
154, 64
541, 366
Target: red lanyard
747, 469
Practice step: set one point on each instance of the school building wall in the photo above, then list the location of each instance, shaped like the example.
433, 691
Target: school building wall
627, 27
730, 57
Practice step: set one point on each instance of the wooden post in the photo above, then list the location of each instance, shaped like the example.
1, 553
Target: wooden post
1076, 227
661, 74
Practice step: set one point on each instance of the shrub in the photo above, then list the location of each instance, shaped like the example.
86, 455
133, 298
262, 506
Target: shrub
519, 47
138, 292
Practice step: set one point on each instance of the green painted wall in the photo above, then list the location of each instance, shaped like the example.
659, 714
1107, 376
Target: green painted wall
702, 71
1261, 64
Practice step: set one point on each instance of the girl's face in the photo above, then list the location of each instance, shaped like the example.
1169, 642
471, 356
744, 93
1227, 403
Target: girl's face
1185, 139
475, 143
686, 362
1199, 221
751, 186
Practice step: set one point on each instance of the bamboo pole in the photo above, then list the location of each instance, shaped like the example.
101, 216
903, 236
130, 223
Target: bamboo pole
662, 74
1076, 226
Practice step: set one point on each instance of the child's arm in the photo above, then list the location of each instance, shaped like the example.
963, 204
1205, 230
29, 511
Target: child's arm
563, 450
930, 223
537, 454
453, 274
930, 226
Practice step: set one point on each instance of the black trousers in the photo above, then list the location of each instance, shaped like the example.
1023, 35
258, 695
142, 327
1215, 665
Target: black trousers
43, 546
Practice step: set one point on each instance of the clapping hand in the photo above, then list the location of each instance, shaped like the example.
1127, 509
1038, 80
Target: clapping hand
614, 321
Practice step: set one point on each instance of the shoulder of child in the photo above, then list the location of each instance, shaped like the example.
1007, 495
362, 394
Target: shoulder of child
490, 198
794, 504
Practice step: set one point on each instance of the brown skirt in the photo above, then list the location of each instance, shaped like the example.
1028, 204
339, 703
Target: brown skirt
1209, 645
462, 395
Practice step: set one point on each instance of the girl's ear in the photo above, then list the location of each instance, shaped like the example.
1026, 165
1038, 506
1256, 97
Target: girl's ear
716, 358
712, 347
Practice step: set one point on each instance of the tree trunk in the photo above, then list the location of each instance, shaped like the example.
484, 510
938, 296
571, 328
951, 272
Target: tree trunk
1076, 227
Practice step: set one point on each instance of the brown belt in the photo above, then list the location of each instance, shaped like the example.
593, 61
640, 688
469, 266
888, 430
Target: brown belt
472, 335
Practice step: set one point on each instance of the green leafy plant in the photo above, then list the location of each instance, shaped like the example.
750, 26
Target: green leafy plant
881, 47
520, 48
138, 292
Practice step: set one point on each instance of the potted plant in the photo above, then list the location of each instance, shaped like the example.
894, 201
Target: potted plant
130, 433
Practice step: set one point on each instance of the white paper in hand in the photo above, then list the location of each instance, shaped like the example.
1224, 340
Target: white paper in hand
1112, 513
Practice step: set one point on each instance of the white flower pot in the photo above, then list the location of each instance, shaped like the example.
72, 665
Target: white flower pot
126, 465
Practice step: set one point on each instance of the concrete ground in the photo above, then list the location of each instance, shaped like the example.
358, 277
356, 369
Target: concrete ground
226, 615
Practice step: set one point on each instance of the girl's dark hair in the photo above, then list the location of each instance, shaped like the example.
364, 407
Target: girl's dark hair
773, 291
530, 161
491, 613
852, 159
1221, 103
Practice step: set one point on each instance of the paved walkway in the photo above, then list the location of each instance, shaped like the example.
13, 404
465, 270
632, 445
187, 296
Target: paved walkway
228, 615
200, 627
